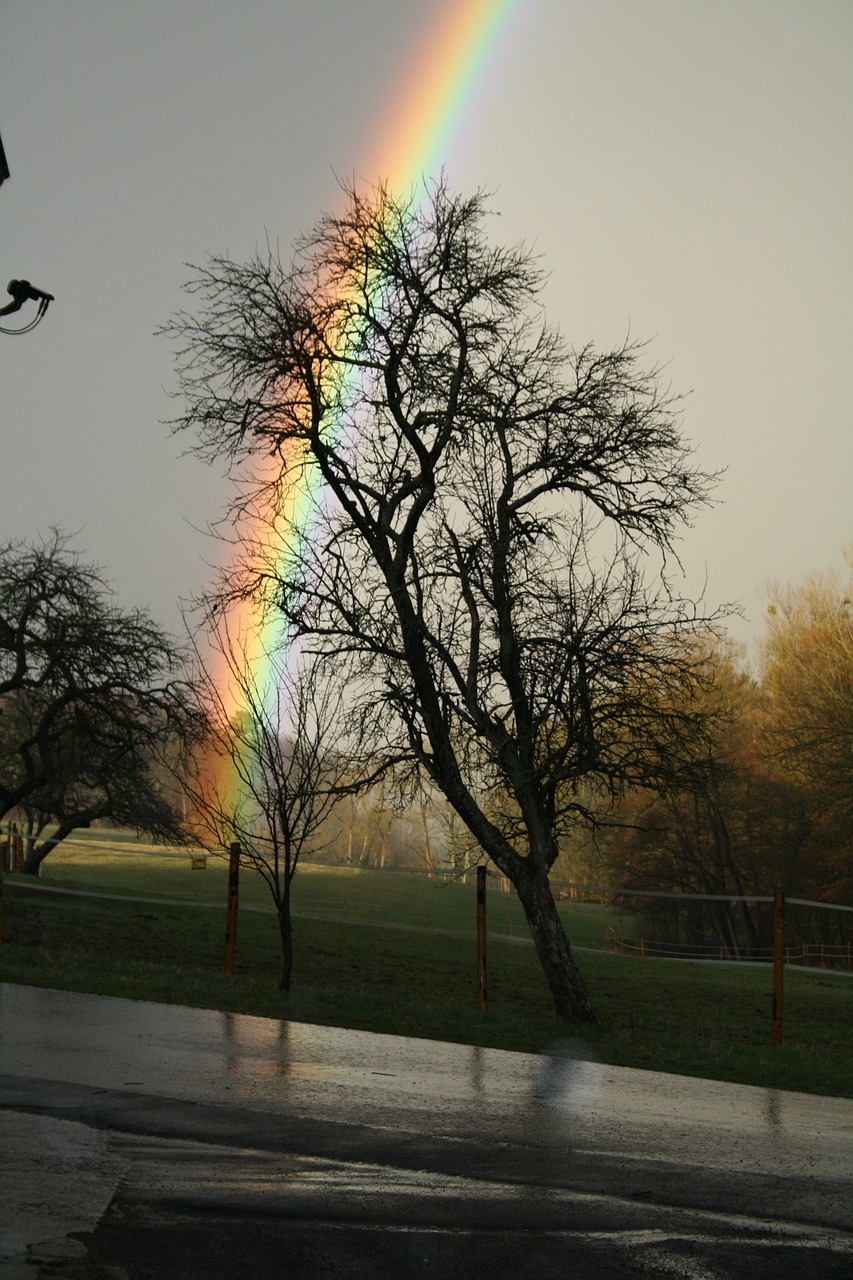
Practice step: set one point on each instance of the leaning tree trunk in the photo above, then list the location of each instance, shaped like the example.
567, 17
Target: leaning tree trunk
37, 855
568, 989
38, 852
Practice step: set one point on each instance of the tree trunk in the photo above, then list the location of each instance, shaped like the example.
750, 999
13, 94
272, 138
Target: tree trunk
568, 989
285, 930
38, 852
428, 858
37, 855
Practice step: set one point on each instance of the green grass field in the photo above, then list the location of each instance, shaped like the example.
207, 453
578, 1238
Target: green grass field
352, 969
335, 893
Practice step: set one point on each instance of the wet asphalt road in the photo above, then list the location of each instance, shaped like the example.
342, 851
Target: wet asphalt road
143, 1140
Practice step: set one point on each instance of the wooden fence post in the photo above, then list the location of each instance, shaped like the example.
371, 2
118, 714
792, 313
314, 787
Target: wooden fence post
778, 965
231, 913
482, 994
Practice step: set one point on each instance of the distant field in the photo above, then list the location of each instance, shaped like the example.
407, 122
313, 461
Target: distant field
335, 893
696, 1019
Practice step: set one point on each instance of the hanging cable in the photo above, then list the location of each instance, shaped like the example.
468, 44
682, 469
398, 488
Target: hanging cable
22, 291
43, 306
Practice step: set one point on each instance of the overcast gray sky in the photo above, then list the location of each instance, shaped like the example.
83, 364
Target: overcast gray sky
683, 167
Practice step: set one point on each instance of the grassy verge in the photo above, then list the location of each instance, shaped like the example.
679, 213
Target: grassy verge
694, 1019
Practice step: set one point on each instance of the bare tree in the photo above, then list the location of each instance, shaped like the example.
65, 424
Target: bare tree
490, 500
270, 775
123, 780
91, 697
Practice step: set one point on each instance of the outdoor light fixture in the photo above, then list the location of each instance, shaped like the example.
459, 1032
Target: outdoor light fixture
21, 290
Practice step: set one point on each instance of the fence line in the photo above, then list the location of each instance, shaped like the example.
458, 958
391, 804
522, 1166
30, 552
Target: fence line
605, 890
599, 890
828, 906
614, 891
826, 955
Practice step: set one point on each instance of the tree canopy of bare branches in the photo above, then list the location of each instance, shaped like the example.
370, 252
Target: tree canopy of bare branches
488, 560
90, 699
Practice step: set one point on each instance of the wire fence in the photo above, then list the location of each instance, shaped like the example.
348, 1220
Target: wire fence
733, 928
724, 927
808, 955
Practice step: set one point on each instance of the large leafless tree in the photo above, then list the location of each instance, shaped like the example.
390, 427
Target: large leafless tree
491, 501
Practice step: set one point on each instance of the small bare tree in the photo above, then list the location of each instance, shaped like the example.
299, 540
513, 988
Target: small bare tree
268, 779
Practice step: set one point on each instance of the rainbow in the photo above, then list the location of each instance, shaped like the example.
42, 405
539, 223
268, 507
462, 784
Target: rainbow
440, 98
444, 94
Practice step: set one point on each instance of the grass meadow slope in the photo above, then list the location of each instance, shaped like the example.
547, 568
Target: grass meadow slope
394, 952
